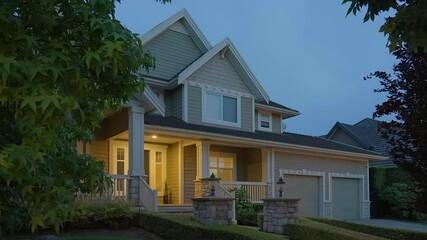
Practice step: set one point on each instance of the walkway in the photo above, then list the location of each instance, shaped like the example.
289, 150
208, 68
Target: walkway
394, 224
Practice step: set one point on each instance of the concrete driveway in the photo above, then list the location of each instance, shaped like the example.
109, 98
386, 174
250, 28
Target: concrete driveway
393, 223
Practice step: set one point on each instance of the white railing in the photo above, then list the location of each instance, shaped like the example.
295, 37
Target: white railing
222, 192
147, 196
117, 189
256, 190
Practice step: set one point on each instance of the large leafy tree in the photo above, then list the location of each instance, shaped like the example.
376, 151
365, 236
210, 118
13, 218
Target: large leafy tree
407, 102
62, 63
407, 23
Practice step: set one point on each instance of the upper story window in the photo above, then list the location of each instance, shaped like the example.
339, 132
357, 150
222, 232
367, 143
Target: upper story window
264, 121
221, 108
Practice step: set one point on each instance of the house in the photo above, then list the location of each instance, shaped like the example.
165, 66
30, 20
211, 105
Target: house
202, 112
363, 134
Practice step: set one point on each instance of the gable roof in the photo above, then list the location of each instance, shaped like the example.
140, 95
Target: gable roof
365, 133
286, 140
276, 107
229, 49
198, 37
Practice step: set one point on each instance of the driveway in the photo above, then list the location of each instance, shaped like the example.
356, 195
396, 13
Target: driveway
393, 223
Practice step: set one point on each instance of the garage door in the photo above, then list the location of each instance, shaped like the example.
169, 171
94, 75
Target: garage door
345, 198
305, 188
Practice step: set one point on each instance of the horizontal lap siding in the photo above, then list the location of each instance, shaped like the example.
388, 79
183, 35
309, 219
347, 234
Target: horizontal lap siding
173, 51
176, 103
172, 171
99, 150
276, 123
190, 159
246, 114
341, 136
221, 73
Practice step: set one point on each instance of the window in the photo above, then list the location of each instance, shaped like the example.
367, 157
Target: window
264, 121
222, 165
221, 109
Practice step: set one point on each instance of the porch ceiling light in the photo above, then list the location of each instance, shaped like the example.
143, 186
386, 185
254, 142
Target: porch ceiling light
154, 136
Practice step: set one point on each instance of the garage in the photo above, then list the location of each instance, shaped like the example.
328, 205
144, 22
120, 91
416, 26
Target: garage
305, 188
345, 198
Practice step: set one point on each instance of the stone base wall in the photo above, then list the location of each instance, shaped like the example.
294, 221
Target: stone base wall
277, 212
213, 210
366, 211
133, 191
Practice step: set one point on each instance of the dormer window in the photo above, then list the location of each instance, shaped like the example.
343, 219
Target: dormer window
264, 121
220, 108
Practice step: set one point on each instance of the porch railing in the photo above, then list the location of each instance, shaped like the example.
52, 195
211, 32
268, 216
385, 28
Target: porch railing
117, 190
256, 190
147, 196
222, 192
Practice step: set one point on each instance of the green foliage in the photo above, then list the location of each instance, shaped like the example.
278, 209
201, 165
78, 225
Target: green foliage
402, 196
389, 233
407, 23
309, 230
62, 64
105, 213
173, 226
406, 101
246, 213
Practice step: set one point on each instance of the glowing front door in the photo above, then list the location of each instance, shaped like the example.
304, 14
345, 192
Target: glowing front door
119, 165
155, 158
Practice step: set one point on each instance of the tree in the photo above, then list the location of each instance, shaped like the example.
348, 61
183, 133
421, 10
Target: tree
408, 25
407, 102
62, 64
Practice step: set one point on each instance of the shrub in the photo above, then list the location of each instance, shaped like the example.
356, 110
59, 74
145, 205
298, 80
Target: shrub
310, 230
180, 228
104, 213
389, 233
246, 212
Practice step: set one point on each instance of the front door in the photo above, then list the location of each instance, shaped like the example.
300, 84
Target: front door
119, 165
155, 166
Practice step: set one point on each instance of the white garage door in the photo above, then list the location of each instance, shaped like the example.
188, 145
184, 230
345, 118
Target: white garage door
305, 188
345, 198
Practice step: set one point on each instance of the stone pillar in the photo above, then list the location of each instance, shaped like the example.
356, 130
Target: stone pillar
203, 187
278, 212
136, 152
213, 210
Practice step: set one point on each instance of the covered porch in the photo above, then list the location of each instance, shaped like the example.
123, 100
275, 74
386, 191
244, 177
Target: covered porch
168, 163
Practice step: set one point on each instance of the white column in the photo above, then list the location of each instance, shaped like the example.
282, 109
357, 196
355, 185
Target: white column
203, 151
136, 141
272, 173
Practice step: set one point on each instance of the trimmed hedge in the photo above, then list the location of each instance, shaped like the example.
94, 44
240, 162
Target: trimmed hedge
181, 227
385, 232
310, 230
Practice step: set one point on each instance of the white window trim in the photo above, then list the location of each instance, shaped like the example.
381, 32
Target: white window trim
225, 154
270, 127
219, 122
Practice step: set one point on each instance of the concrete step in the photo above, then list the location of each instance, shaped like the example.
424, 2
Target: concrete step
183, 209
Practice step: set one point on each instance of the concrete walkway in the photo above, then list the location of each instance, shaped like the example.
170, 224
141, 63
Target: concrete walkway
393, 224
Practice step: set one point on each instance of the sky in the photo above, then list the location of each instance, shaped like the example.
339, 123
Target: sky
306, 54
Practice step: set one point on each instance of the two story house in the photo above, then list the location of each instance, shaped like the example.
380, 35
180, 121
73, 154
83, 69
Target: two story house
203, 111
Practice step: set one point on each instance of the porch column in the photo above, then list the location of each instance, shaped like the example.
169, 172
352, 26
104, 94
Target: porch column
136, 153
268, 170
136, 141
203, 152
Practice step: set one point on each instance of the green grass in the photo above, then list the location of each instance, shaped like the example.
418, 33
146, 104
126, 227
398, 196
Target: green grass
95, 238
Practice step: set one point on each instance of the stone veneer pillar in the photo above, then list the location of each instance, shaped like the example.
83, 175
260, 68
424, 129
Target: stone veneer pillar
211, 210
203, 187
278, 212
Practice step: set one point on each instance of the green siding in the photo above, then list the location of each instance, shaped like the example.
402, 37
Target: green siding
221, 73
176, 103
341, 136
173, 51
276, 123
172, 171
190, 164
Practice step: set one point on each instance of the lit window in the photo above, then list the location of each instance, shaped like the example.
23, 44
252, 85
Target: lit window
222, 109
222, 165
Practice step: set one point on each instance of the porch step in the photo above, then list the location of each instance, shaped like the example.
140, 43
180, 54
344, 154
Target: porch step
176, 208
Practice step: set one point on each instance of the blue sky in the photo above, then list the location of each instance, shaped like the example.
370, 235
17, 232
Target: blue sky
307, 54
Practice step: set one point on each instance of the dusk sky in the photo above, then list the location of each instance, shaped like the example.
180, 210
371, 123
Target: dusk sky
306, 54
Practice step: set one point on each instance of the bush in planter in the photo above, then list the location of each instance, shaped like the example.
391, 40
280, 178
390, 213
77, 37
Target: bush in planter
246, 213
101, 213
